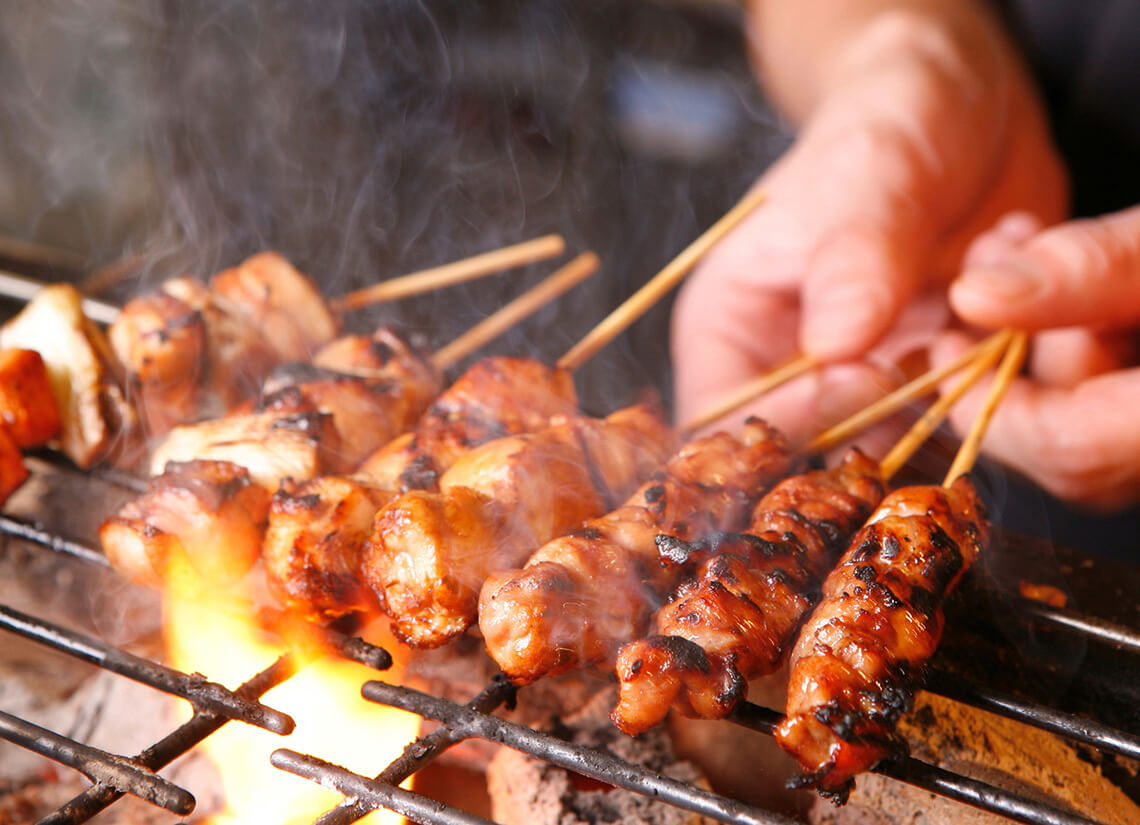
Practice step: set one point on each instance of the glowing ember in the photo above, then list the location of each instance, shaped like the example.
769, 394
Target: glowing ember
220, 639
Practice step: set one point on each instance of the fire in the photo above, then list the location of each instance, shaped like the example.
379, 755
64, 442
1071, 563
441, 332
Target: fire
217, 635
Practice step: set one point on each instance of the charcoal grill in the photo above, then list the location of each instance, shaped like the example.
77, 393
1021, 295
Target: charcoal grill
114, 775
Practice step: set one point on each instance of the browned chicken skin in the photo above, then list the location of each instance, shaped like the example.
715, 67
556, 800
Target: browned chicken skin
581, 596
314, 542
879, 621
207, 513
429, 552
496, 397
161, 342
735, 619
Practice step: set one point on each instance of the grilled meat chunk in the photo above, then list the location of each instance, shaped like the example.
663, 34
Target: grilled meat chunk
736, 618
237, 355
581, 596
13, 472
366, 412
277, 300
161, 342
297, 444
496, 397
429, 553
205, 514
97, 421
879, 621
314, 542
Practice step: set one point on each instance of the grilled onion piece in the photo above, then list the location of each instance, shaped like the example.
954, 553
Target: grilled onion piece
736, 619
207, 514
880, 620
429, 553
583, 595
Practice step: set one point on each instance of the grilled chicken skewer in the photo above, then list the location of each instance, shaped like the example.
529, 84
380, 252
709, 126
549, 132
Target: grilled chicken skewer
735, 619
879, 621
429, 553
581, 596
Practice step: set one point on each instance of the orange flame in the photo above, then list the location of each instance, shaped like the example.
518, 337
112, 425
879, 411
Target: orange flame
211, 633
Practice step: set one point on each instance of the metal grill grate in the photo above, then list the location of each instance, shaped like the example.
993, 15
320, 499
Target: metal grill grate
116, 775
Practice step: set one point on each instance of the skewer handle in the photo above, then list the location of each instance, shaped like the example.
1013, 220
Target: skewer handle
972, 445
936, 414
457, 272
660, 285
753, 389
911, 391
500, 321
24, 289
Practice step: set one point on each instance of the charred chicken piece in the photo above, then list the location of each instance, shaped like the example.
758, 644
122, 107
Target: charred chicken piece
496, 397
879, 621
208, 515
736, 619
383, 354
27, 405
237, 355
314, 542
277, 300
366, 412
429, 553
581, 596
97, 422
273, 444
161, 342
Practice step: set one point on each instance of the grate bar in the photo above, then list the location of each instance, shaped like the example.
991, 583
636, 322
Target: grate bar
30, 531
586, 761
201, 725
421, 751
97, 765
1067, 725
1122, 637
193, 687
937, 780
373, 792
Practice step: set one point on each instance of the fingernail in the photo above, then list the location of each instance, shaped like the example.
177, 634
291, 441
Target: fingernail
1009, 279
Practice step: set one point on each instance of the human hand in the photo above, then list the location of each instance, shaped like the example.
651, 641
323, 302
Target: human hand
921, 137
1073, 423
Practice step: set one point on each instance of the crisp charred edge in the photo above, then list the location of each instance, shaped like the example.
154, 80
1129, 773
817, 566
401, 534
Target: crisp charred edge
420, 474
308, 423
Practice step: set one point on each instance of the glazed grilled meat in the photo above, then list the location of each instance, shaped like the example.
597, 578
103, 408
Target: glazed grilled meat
207, 514
880, 619
583, 595
429, 553
314, 542
736, 618
496, 397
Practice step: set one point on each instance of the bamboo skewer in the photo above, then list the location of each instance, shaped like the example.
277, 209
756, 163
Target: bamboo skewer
456, 272
972, 444
653, 291
753, 389
934, 416
504, 318
911, 391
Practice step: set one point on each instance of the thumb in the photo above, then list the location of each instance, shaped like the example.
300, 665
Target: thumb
1081, 273
857, 282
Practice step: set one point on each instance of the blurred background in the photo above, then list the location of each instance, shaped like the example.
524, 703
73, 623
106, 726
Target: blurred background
365, 140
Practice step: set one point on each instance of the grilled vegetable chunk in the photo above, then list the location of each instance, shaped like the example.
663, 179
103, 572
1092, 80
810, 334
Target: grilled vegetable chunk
27, 405
96, 419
